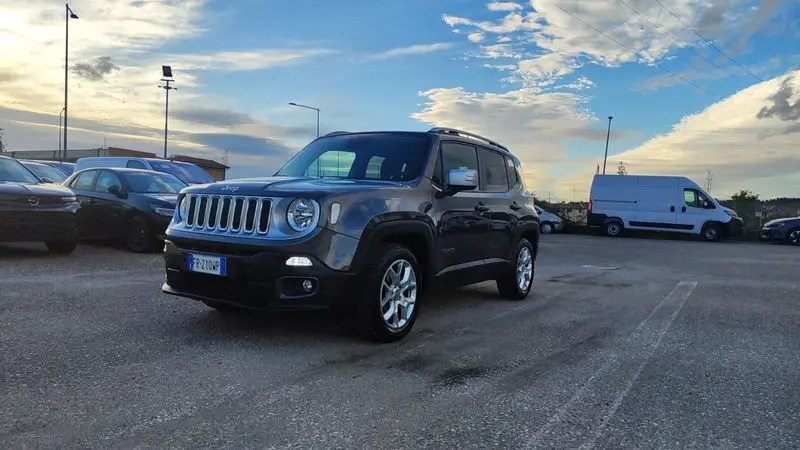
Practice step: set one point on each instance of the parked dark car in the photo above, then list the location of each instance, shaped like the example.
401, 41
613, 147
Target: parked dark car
131, 205
363, 223
45, 172
66, 167
785, 230
31, 211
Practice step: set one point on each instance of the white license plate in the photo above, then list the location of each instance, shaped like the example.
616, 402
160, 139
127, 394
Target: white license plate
212, 265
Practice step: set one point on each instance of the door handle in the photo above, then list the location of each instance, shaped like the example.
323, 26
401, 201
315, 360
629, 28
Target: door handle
480, 207
671, 209
683, 209
515, 207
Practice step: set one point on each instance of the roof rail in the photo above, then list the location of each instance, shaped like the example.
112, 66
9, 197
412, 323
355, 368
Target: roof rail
336, 133
446, 130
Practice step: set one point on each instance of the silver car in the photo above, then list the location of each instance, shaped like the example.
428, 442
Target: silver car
550, 223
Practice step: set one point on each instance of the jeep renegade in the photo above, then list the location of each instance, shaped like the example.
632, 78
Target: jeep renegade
362, 223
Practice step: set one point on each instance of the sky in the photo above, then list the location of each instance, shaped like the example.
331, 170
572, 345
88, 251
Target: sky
695, 87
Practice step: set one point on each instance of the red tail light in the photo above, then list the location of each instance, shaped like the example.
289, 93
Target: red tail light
590, 206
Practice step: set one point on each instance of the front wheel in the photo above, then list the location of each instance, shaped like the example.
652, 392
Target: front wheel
711, 232
388, 299
546, 228
140, 238
516, 284
61, 248
793, 237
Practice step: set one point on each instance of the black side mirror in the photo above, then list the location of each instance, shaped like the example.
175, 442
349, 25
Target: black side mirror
116, 190
47, 180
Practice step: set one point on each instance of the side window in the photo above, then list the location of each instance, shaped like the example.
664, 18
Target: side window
438, 178
136, 165
493, 172
512, 171
520, 174
84, 181
332, 163
105, 180
456, 155
690, 197
374, 168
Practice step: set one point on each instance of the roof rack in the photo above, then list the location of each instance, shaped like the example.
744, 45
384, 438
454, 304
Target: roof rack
336, 133
457, 132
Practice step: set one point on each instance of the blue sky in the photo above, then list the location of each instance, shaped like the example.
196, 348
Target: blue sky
527, 74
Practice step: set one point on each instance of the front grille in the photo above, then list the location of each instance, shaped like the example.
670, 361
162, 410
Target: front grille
228, 213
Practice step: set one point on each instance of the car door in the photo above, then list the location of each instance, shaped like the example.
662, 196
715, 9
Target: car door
461, 229
83, 186
109, 210
692, 213
500, 215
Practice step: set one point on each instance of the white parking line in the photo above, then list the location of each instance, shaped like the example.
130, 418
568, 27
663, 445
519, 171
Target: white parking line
609, 384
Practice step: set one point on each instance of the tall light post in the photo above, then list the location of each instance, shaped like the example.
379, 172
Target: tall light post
308, 107
60, 155
166, 72
608, 136
69, 15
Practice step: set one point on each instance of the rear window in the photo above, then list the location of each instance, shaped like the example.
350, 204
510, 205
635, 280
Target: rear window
188, 173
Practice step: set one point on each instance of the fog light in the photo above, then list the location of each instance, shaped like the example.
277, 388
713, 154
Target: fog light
308, 285
298, 261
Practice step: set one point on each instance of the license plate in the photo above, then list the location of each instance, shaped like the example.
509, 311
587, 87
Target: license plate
212, 265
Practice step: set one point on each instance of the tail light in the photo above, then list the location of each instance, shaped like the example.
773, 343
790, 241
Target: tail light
590, 206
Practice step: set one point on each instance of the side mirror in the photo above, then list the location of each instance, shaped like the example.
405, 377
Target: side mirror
47, 180
462, 179
116, 190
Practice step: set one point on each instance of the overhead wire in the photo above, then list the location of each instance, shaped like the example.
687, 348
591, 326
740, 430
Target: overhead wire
676, 75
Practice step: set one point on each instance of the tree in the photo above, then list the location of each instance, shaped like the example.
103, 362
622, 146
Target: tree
621, 170
745, 195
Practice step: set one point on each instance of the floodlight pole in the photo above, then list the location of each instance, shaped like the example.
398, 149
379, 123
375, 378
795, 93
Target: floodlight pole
608, 136
308, 107
167, 88
69, 15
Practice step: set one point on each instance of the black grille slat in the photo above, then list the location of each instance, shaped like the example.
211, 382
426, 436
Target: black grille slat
226, 210
201, 213
263, 222
212, 216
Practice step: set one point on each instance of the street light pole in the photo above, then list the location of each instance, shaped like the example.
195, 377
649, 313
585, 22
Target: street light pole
308, 107
167, 79
60, 155
69, 15
608, 136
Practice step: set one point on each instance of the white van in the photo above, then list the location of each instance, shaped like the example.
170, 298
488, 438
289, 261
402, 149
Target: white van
658, 203
187, 172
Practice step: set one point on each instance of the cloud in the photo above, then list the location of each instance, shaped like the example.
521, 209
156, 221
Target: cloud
242, 144
418, 49
475, 37
706, 75
745, 140
246, 60
95, 70
503, 6
222, 118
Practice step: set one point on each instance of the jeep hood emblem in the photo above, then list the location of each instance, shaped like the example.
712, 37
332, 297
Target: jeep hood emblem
33, 201
230, 188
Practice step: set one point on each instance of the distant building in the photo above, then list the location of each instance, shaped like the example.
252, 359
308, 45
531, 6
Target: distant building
215, 169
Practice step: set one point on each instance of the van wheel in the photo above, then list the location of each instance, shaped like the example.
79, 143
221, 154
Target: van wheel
613, 228
547, 228
711, 232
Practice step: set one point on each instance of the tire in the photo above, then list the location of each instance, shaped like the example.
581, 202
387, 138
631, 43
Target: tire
381, 291
546, 228
139, 237
511, 285
793, 236
61, 248
711, 232
613, 228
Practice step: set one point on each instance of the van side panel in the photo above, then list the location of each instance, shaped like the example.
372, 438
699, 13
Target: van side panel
657, 199
612, 196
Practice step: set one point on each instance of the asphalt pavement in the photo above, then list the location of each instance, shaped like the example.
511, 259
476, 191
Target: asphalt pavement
624, 343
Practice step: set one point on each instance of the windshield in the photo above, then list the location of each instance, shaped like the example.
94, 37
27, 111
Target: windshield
370, 156
45, 171
153, 183
186, 172
14, 172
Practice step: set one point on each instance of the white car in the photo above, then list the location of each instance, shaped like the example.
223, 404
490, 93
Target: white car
658, 203
550, 223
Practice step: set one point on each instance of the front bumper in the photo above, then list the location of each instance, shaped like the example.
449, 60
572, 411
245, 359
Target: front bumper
558, 226
38, 226
735, 228
772, 234
257, 277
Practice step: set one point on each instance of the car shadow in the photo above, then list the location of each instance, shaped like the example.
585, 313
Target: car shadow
23, 250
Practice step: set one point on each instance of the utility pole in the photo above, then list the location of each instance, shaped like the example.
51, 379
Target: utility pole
69, 15
608, 136
166, 72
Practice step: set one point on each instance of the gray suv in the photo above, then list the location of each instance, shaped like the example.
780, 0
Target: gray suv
362, 223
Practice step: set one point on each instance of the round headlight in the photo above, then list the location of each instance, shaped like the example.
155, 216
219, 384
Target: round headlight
301, 214
183, 208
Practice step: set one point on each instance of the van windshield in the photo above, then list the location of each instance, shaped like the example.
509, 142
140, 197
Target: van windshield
188, 173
